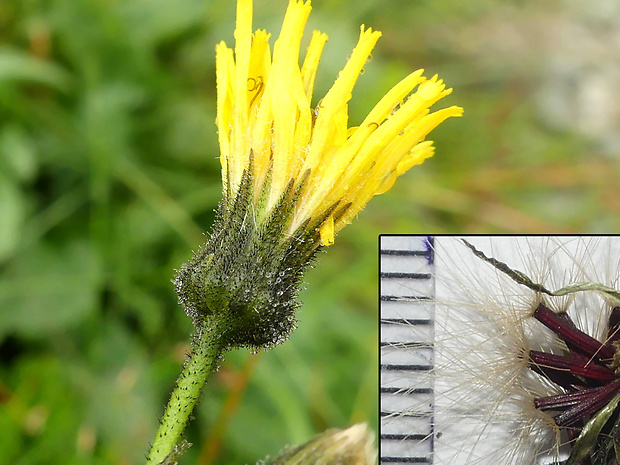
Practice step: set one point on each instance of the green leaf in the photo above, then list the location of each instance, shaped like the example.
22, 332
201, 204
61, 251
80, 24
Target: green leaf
607, 291
49, 288
16, 65
587, 441
12, 212
17, 152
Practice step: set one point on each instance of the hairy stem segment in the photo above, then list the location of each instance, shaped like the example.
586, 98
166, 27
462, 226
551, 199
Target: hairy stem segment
202, 361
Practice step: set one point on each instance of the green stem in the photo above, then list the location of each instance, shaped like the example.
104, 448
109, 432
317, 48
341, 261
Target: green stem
207, 347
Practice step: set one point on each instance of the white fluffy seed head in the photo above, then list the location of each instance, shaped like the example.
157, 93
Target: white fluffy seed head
484, 392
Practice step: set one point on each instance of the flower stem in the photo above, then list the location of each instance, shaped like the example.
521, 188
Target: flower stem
207, 348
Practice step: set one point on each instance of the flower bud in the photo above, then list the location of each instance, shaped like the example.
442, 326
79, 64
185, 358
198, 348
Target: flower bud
293, 174
246, 277
352, 446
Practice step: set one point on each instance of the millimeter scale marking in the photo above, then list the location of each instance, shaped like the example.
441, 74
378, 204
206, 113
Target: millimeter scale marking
406, 349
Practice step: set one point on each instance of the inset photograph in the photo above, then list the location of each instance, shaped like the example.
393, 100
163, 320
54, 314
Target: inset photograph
500, 349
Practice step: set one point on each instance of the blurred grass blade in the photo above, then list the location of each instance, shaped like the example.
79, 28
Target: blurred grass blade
16, 65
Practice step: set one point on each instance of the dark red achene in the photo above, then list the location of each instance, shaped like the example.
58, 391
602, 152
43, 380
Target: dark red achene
587, 373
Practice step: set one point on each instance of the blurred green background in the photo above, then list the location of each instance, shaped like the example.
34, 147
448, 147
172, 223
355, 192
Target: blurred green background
109, 176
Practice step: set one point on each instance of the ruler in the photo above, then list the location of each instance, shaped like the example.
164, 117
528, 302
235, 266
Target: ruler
406, 354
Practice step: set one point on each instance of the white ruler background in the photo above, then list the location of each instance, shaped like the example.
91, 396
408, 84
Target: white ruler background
406, 356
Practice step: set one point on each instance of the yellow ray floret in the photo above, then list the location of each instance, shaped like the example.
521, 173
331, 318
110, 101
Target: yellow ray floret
265, 112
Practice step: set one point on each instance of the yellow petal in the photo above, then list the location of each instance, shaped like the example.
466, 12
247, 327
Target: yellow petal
260, 65
259, 130
327, 231
418, 154
287, 87
224, 65
335, 101
311, 62
265, 110
243, 46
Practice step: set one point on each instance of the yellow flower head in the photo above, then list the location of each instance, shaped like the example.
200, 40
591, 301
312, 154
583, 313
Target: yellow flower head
293, 174
266, 120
